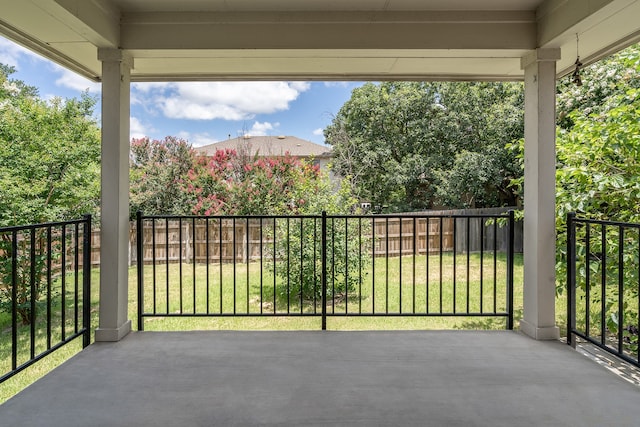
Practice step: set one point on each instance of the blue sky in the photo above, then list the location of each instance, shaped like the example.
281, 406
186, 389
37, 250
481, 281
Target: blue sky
204, 112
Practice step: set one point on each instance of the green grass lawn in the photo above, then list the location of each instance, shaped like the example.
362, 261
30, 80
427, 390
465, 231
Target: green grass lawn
379, 293
374, 290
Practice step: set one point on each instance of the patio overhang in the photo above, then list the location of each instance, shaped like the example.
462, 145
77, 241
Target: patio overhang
122, 41
318, 39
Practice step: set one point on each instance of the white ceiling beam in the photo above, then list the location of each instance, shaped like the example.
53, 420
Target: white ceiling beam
95, 21
558, 16
326, 68
326, 30
435, 16
602, 26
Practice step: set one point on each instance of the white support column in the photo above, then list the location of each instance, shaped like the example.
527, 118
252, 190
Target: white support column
114, 237
539, 194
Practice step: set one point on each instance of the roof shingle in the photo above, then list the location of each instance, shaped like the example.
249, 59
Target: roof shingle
266, 146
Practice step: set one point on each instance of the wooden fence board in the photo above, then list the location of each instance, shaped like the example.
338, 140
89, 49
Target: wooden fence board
399, 231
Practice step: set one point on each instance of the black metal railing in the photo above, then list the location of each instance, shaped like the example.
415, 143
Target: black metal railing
603, 278
324, 265
44, 291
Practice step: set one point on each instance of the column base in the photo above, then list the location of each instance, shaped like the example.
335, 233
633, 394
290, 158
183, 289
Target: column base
545, 333
111, 335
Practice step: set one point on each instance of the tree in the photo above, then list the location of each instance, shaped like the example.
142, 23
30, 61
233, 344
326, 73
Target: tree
398, 142
231, 184
472, 181
49, 157
599, 162
157, 174
49, 171
598, 146
602, 82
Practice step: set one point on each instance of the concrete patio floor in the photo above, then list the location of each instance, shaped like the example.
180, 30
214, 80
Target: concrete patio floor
422, 378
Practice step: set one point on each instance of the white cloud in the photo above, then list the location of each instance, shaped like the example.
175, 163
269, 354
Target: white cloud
318, 132
137, 129
183, 134
148, 93
74, 81
300, 86
227, 100
147, 87
197, 139
203, 139
260, 129
336, 84
10, 53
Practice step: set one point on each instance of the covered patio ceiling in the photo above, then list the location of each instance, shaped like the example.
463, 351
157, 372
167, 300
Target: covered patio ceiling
319, 39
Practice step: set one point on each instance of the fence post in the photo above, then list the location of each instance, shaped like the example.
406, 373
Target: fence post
86, 281
324, 269
571, 277
510, 260
140, 260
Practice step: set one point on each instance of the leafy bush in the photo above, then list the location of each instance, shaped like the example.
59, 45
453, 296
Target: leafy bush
23, 273
299, 244
299, 249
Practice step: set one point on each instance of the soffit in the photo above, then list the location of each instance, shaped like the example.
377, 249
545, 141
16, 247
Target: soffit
319, 39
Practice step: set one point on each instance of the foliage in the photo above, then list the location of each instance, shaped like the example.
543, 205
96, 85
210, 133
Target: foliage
471, 180
603, 82
300, 242
229, 184
22, 272
158, 169
599, 180
599, 163
49, 159
598, 156
599, 153
49, 171
597, 146
406, 145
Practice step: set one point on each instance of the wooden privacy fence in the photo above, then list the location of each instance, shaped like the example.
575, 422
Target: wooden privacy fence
489, 238
187, 238
391, 235
205, 240
395, 236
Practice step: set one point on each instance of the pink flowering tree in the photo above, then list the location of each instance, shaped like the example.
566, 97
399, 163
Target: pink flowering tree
158, 173
225, 183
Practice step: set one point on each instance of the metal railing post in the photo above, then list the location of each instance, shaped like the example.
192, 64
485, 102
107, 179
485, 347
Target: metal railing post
324, 269
140, 261
86, 281
571, 277
510, 261
14, 299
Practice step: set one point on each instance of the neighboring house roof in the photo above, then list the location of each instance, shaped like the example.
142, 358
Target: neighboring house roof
266, 146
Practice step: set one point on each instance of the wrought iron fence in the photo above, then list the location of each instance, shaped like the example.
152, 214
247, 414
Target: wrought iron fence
603, 278
323, 265
44, 290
